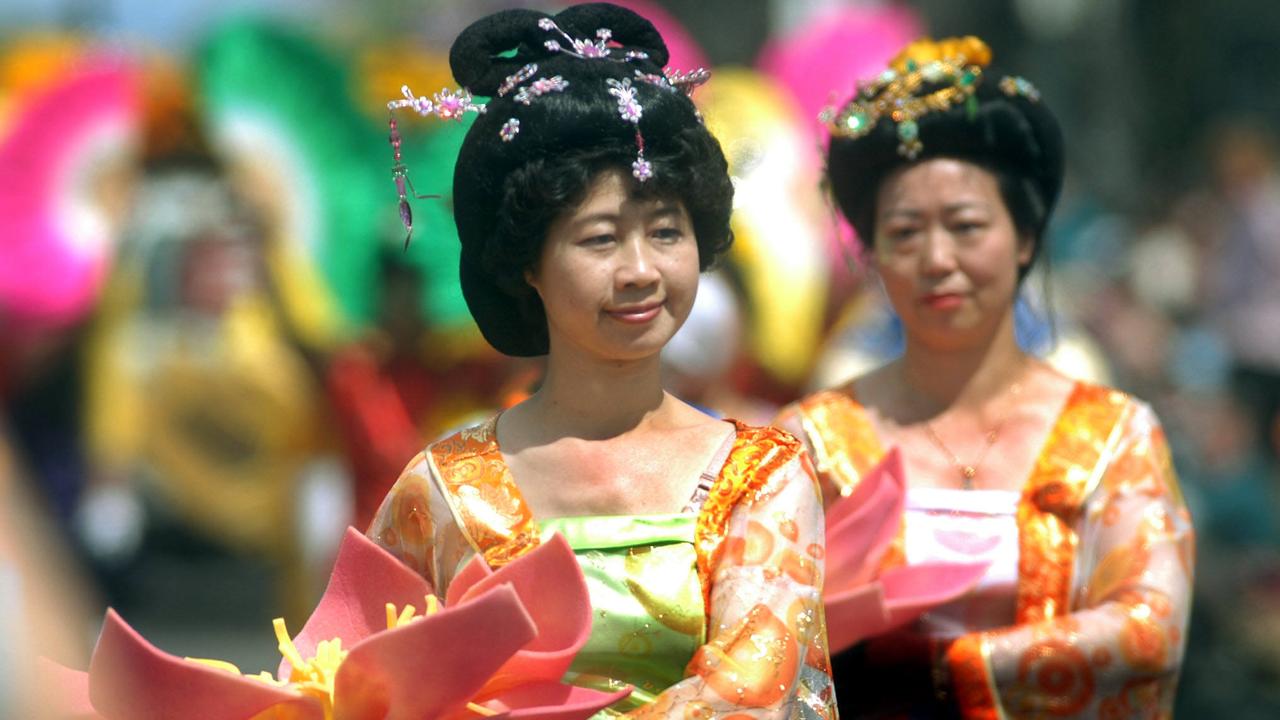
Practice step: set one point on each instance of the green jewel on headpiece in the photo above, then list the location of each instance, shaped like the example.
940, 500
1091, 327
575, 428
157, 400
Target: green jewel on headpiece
899, 93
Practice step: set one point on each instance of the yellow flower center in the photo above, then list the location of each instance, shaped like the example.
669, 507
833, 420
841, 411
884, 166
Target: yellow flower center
315, 675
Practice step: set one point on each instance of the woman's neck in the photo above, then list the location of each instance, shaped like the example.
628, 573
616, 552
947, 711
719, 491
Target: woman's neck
964, 378
589, 398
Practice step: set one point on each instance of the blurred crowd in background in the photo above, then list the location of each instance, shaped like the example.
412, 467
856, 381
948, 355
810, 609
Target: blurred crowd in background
216, 350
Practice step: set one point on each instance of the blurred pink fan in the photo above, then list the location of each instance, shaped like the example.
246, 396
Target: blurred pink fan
684, 51
822, 61
498, 649
862, 601
820, 64
56, 165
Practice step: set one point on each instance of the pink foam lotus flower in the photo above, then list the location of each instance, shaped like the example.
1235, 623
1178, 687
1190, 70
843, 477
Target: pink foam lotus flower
497, 648
862, 600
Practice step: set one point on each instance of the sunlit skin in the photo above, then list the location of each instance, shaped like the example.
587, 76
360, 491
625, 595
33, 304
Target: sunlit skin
617, 276
949, 256
947, 253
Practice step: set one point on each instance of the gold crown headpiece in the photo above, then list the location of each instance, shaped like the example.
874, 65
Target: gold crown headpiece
954, 66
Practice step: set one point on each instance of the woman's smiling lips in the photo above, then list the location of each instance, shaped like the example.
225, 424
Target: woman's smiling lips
635, 314
942, 300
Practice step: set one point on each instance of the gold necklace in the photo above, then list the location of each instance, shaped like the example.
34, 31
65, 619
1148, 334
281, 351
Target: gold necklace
969, 471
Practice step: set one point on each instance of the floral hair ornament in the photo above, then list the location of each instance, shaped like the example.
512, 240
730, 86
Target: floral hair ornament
446, 105
598, 48
953, 66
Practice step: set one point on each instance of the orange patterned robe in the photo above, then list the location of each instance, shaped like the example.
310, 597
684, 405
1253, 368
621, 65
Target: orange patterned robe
759, 547
1106, 552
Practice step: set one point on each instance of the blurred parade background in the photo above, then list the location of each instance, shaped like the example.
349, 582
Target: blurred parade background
215, 352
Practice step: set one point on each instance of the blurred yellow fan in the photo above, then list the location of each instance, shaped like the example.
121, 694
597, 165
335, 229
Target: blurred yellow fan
778, 216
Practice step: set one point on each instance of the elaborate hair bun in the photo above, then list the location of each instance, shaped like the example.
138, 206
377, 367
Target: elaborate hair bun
939, 99
477, 59
495, 47
630, 31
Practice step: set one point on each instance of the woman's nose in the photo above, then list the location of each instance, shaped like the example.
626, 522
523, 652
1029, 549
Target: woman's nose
939, 257
636, 266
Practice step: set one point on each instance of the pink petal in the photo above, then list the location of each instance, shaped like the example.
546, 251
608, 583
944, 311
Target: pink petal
861, 527
472, 573
553, 591
130, 678
912, 590
431, 666
835, 49
551, 701
855, 615
70, 697
365, 578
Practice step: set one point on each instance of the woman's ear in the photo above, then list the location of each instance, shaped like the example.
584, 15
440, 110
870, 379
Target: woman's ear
531, 279
1026, 249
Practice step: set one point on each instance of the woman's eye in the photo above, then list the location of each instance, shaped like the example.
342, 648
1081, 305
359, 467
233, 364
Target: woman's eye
901, 234
965, 228
596, 240
671, 234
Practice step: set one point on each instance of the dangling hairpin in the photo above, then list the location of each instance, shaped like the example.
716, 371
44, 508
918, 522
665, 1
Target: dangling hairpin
630, 109
446, 105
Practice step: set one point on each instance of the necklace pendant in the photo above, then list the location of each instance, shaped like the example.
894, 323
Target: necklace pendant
969, 472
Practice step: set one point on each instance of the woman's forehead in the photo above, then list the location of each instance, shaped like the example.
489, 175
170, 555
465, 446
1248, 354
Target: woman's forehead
613, 192
937, 181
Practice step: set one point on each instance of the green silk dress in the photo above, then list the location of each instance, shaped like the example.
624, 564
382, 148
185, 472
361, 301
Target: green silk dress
648, 618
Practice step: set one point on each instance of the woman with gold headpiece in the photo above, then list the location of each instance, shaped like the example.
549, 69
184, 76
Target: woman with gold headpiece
949, 174
588, 197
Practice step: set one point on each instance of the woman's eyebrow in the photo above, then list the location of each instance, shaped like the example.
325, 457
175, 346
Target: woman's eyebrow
665, 210
966, 205
602, 216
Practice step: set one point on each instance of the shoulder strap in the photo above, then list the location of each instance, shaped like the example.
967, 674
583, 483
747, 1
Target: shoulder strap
710, 474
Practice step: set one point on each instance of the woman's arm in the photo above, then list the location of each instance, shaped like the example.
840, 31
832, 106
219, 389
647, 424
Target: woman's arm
1120, 647
766, 654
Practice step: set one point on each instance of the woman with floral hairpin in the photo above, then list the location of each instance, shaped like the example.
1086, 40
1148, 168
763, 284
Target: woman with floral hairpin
949, 175
588, 197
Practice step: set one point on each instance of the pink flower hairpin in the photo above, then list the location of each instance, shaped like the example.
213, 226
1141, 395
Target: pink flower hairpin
540, 87
446, 105
516, 78
597, 49
630, 109
688, 81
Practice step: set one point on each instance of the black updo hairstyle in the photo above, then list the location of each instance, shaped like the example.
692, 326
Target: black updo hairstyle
507, 193
1011, 135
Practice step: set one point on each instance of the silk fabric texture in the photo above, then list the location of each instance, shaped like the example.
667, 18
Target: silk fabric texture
740, 577
1106, 553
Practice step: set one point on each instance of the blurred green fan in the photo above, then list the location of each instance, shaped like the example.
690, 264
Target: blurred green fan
435, 249
282, 112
